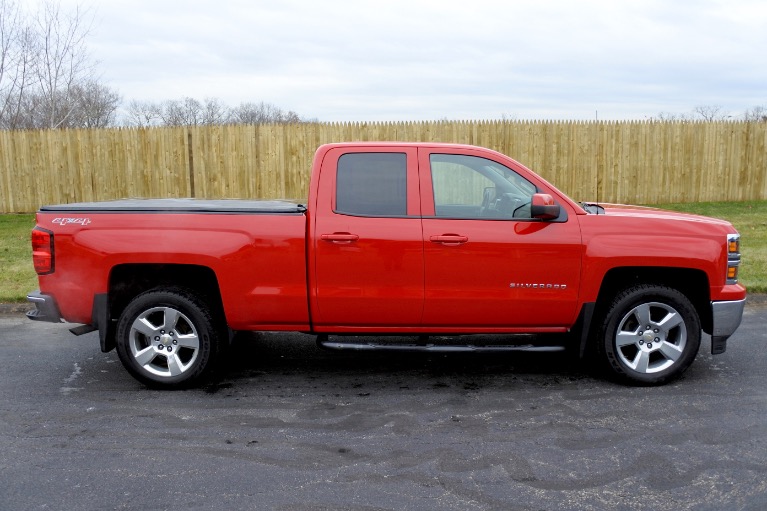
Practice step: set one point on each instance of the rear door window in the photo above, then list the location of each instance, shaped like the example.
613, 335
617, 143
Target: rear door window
372, 184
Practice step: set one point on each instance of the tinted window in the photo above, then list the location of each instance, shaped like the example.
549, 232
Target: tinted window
472, 187
372, 184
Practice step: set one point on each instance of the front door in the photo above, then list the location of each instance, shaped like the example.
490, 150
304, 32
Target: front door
488, 264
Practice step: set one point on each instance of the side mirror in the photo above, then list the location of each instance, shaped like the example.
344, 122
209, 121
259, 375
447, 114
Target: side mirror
544, 207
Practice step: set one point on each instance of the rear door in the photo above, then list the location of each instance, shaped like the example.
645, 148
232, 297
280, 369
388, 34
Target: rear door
368, 242
488, 264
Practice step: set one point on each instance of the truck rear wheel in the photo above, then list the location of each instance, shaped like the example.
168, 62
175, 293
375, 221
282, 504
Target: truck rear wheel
168, 338
650, 335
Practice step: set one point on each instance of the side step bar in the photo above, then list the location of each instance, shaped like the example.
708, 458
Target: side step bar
324, 343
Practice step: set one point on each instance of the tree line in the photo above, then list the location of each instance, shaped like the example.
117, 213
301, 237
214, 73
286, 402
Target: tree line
716, 113
49, 80
192, 112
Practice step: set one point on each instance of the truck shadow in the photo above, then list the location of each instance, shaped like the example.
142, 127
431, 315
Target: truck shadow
263, 355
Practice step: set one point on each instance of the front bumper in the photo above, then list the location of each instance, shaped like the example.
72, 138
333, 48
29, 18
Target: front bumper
46, 308
727, 317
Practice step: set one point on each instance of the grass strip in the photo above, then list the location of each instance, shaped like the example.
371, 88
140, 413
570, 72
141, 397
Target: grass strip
18, 276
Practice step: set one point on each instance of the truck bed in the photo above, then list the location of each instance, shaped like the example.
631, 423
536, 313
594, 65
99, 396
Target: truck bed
255, 250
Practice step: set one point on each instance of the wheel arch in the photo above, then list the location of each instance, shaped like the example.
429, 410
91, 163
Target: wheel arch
691, 282
126, 281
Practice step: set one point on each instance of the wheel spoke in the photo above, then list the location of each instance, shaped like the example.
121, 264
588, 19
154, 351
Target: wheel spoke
145, 356
171, 319
641, 361
671, 320
625, 339
670, 351
189, 341
175, 366
143, 326
642, 313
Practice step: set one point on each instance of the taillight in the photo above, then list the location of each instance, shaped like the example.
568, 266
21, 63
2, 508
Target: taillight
733, 258
42, 250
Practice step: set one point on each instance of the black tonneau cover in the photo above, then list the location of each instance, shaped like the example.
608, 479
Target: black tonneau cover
181, 206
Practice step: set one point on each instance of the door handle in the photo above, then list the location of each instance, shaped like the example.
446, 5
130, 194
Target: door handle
449, 239
339, 236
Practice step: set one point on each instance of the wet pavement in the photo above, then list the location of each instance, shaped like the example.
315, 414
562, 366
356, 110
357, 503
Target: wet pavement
292, 427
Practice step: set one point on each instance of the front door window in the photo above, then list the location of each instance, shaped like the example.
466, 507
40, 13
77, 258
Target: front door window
470, 187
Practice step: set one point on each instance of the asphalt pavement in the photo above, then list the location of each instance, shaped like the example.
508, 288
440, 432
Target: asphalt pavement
292, 427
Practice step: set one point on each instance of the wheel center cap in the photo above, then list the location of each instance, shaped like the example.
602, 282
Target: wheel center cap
166, 340
648, 336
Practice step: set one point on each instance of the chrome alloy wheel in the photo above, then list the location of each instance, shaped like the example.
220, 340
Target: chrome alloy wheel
164, 342
651, 337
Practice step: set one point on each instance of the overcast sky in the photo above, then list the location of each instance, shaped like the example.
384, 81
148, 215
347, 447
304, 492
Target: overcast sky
425, 60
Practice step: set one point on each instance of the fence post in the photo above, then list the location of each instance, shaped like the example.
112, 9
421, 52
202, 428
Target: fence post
191, 162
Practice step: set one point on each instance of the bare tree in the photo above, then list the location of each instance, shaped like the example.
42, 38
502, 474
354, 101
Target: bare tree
214, 112
9, 23
711, 113
708, 113
95, 105
671, 117
62, 62
191, 112
756, 114
291, 117
261, 113
183, 112
142, 114
17, 57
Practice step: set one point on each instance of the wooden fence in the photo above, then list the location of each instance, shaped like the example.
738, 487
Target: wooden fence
628, 162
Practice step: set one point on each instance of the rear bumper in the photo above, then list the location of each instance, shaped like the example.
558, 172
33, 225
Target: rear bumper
727, 316
46, 308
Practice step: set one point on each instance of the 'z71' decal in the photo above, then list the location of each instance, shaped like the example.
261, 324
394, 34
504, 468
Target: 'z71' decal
72, 221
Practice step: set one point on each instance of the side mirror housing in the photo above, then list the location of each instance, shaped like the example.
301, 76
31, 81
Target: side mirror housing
544, 207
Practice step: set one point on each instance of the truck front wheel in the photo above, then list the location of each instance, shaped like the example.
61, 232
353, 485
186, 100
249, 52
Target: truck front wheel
650, 335
167, 338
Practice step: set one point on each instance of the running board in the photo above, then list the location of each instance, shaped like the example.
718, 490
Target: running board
324, 343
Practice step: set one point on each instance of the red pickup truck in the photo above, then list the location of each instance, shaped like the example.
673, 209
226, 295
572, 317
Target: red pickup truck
396, 238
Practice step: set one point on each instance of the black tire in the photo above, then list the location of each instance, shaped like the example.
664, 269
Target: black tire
168, 338
650, 335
